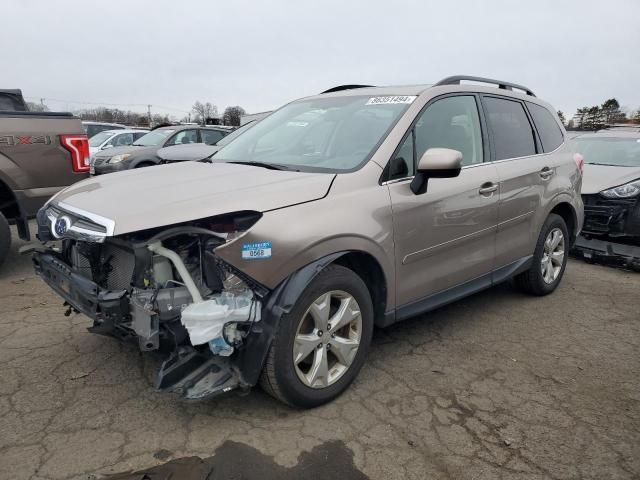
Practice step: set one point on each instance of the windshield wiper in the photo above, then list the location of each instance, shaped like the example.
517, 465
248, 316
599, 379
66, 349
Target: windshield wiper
270, 166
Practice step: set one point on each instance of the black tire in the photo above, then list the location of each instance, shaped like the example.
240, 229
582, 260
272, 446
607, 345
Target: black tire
5, 238
532, 281
279, 378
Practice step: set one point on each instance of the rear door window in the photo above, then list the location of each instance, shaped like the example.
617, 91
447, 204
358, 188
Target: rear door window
548, 128
512, 132
121, 140
183, 137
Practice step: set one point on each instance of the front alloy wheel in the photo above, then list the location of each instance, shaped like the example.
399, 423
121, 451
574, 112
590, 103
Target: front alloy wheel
322, 342
327, 339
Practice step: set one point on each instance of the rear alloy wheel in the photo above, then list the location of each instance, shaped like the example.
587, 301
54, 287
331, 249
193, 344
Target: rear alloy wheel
549, 259
322, 343
553, 256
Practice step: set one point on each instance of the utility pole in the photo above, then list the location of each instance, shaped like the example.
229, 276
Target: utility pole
42, 103
149, 114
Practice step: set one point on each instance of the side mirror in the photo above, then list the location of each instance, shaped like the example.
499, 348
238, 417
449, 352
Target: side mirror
108, 145
436, 163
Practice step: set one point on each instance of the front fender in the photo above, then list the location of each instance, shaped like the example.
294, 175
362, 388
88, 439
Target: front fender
250, 359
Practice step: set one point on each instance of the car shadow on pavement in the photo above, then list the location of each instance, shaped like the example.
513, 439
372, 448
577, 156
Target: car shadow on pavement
330, 460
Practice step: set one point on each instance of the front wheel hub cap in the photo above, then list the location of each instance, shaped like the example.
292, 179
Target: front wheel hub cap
319, 367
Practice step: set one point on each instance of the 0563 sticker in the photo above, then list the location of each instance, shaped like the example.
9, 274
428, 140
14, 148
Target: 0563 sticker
256, 251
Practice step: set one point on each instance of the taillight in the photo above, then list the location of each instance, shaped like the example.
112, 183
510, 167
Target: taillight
78, 146
579, 159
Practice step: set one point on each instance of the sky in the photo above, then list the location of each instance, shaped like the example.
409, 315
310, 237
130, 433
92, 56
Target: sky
262, 54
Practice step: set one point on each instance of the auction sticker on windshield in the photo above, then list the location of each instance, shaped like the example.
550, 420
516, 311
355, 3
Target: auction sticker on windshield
256, 251
388, 100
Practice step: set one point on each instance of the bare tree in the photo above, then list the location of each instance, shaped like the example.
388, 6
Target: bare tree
37, 107
231, 115
203, 111
561, 117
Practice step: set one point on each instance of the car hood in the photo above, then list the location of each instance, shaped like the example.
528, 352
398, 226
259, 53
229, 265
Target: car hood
600, 177
110, 152
164, 195
194, 151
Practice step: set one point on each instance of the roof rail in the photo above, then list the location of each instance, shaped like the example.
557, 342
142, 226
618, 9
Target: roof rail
345, 87
456, 80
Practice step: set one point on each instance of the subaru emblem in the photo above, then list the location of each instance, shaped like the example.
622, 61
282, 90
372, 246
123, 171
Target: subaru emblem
61, 226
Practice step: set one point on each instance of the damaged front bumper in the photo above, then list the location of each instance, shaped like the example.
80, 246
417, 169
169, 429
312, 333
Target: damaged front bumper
611, 231
192, 374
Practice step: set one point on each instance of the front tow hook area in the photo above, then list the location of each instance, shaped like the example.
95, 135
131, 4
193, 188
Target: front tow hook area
194, 376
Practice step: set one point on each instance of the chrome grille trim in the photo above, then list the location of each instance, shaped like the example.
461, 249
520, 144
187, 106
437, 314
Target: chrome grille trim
84, 225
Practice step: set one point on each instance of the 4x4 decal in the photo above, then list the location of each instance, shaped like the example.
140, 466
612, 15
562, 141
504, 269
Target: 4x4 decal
13, 140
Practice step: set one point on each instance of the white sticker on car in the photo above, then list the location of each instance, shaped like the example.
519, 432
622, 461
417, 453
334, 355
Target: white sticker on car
256, 251
391, 99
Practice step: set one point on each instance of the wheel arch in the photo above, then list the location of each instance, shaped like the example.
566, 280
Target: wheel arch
250, 359
8, 202
144, 162
370, 271
564, 208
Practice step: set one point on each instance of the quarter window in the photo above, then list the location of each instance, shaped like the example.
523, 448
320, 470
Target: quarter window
548, 128
512, 132
211, 137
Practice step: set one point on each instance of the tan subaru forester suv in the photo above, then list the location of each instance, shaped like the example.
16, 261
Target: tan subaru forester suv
272, 261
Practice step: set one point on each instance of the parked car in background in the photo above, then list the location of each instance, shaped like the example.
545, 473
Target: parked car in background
40, 154
143, 152
114, 138
199, 151
611, 195
336, 213
93, 128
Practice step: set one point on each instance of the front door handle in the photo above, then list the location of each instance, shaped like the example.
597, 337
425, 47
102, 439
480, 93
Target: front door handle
546, 173
488, 188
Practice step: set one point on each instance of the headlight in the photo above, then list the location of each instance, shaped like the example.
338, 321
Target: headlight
119, 158
628, 190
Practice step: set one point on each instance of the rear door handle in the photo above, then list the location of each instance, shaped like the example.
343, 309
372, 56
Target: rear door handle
546, 173
488, 188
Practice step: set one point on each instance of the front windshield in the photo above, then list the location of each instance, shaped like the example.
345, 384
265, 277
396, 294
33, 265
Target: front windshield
329, 134
99, 138
235, 134
154, 138
616, 151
